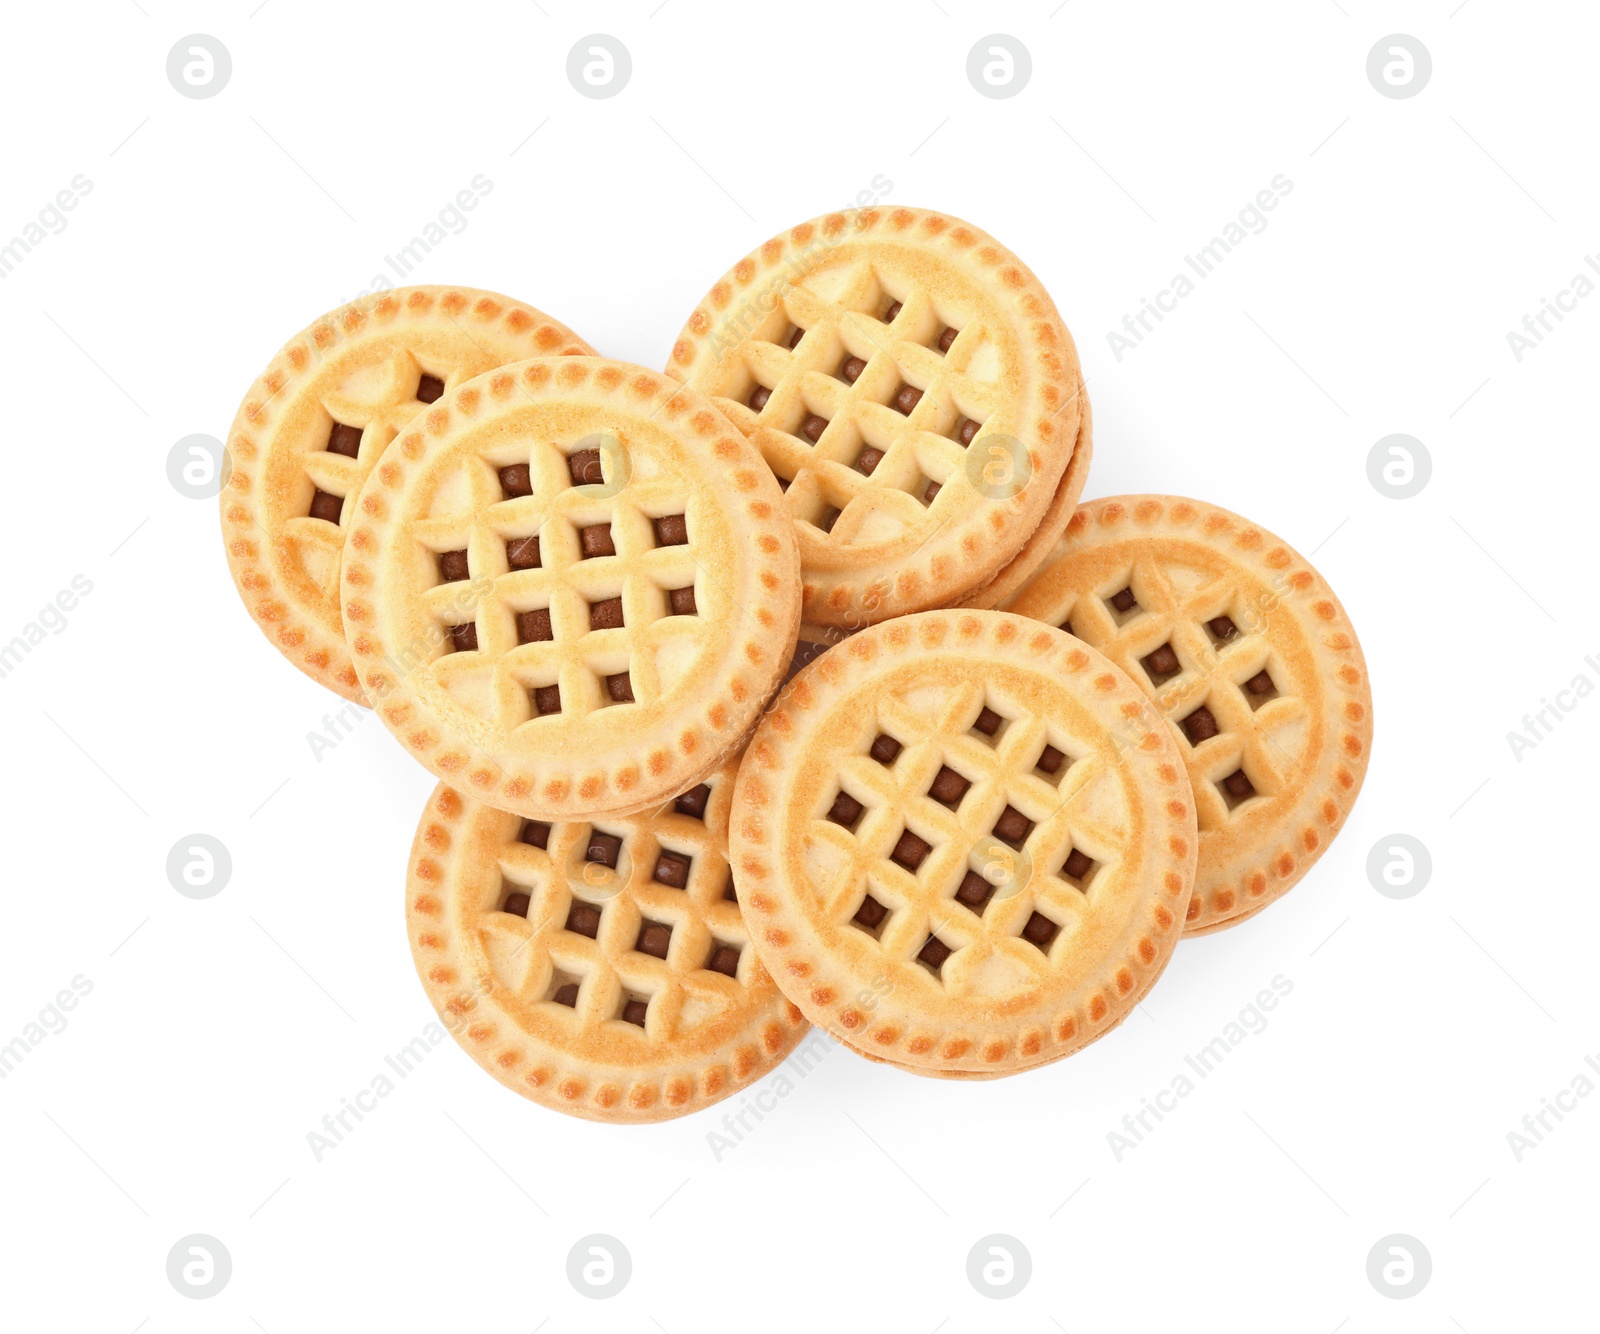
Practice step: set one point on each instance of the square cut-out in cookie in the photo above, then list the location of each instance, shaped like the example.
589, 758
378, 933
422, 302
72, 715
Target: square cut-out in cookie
326, 506
730, 893
535, 833
453, 567
891, 312
1041, 931
868, 459
583, 919
595, 541
760, 396
948, 787
671, 530
1201, 725
619, 688
464, 637
680, 601
988, 725
546, 700
606, 614
850, 368
846, 810
905, 399
672, 869
563, 989
693, 802
1052, 763
1236, 789
947, 335
603, 849
1123, 605
1260, 688
533, 627
974, 892
885, 749
430, 388
1013, 827
828, 518
344, 440
516, 902
1078, 869
1161, 664
963, 430
584, 468
654, 938
522, 553
933, 954
724, 958
796, 333
516, 480
870, 917
910, 851
811, 427
1221, 630
930, 492
635, 1010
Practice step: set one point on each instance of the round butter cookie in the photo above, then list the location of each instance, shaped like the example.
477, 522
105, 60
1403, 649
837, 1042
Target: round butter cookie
569, 587
1245, 648
964, 842
312, 427
911, 385
602, 969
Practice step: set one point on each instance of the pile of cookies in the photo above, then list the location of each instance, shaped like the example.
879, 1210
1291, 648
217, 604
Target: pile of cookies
791, 685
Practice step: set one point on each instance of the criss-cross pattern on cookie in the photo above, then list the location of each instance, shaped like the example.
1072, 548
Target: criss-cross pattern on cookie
959, 819
629, 921
873, 401
342, 453
593, 600
1198, 649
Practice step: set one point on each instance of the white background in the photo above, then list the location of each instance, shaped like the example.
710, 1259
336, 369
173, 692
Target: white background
218, 1033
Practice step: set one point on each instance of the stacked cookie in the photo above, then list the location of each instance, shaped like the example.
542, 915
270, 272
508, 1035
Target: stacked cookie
1022, 748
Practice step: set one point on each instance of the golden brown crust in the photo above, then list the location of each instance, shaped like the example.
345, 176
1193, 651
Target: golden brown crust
358, 365
1303, 747
491, 974
697, 679
1012, 367
998, 1001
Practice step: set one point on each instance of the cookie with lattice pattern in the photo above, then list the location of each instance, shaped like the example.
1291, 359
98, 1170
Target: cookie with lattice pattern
602, 967
964, 842
570, 586
912, 387
312, 427
1242, 645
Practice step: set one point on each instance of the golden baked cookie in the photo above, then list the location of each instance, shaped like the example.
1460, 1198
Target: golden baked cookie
570, 586
912, 387
602, 969
312, 427
964, 842
1245, 648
